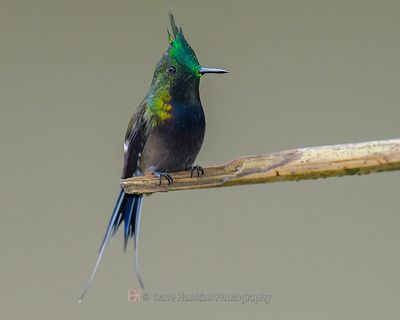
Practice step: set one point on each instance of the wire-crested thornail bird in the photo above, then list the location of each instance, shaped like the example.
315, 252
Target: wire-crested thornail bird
164, 135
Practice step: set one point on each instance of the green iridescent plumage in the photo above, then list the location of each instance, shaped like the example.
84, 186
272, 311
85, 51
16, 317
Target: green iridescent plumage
180, 49
181, 57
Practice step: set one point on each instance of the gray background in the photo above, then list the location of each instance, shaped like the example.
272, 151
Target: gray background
302, 73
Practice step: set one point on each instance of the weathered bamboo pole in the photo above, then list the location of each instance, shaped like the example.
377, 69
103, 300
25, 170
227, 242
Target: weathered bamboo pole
289, 165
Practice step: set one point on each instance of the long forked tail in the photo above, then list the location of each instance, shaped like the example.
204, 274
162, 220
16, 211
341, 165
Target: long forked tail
128, 210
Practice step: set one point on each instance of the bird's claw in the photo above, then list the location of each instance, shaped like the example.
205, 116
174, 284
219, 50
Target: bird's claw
199, 171
160, 175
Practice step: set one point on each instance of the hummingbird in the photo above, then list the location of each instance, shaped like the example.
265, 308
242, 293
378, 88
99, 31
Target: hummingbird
164, 135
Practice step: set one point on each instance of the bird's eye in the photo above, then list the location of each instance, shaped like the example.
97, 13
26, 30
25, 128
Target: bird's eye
171, 69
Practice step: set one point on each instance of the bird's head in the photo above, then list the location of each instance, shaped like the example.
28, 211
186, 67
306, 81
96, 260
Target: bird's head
179, 69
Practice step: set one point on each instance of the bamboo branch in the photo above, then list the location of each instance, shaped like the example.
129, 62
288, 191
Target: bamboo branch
290, 165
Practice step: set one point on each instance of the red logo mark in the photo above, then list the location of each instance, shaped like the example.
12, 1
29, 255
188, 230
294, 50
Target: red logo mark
133, 295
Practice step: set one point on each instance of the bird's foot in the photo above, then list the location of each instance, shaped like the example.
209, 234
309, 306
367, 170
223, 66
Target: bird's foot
161, 174
198, 170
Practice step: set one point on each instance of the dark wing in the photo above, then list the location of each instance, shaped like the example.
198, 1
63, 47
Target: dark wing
135, 139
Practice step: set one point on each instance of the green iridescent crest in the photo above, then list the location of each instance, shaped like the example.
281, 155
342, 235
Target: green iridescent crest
180, 49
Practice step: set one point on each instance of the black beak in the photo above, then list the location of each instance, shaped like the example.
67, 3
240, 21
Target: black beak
212, 70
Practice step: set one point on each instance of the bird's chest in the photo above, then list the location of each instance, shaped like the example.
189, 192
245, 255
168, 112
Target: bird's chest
173, 144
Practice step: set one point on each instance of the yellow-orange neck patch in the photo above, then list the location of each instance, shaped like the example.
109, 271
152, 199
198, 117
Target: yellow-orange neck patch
159, 107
